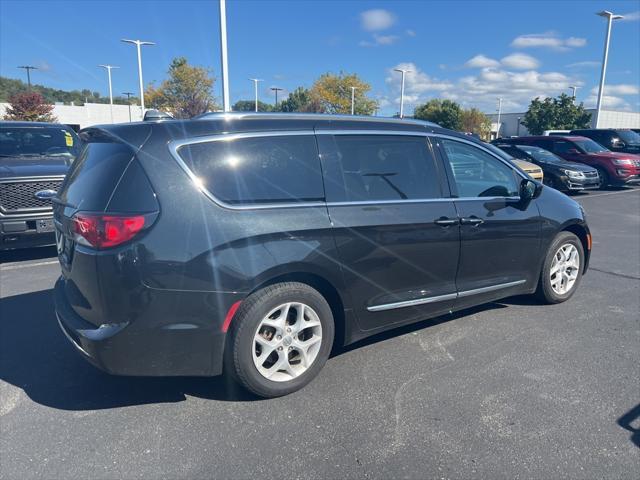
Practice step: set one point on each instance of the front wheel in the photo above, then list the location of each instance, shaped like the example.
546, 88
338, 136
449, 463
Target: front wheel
604, 177
281, 338
562, 270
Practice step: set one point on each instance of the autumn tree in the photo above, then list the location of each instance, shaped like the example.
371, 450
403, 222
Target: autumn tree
332, 94
445, 113
559, 113
186, 93
30, 107
473, 120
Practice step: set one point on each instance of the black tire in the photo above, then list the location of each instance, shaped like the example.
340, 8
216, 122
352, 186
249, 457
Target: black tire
239, 360
550, 182
604, 177
545, 291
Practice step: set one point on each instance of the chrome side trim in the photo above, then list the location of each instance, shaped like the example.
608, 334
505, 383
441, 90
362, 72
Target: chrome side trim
175, 145
441, 298
491, 288
411, 303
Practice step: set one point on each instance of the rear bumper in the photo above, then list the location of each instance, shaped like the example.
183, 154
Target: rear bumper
143, 347
23, 233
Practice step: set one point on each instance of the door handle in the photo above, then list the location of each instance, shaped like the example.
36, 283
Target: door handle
446, 222
472, 220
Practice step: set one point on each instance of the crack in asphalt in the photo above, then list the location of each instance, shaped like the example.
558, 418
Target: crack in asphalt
615, 274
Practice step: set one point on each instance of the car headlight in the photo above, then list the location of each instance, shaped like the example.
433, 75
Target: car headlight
574, 174
623, 161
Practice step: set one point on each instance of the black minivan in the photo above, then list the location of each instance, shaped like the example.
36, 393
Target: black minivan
253, 244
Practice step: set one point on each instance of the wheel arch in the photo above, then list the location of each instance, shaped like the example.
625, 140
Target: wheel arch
582, 232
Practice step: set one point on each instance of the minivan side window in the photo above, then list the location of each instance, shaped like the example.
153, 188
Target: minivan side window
370, 168
562, 146
477, 173
258, 170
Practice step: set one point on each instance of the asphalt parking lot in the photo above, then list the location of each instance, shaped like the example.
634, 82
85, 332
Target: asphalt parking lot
509, 390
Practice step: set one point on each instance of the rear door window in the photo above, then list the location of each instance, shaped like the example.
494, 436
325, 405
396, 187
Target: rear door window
378, 168
258, 170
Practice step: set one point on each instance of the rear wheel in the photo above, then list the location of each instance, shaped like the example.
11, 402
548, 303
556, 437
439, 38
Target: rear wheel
281, 338
562, 270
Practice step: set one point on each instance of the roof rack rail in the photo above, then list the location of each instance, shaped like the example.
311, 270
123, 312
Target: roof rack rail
310, 116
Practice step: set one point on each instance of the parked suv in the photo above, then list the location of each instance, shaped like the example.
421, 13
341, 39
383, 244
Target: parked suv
34, 158
558, 173
614, 168
620, 140
254, 243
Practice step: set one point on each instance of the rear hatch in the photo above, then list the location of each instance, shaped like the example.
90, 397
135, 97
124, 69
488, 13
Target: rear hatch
105, 188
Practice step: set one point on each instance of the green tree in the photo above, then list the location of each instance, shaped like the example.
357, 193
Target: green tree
29, 107
332, 94
474, 121
560, 113
250, 106
445, 113
186, 93
301, 100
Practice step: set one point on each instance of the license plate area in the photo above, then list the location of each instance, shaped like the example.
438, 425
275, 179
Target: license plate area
45, 225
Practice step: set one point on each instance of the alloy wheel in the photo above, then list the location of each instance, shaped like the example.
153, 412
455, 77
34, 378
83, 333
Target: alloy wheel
565, 269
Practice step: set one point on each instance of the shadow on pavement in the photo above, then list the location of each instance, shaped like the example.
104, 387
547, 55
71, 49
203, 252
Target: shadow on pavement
626, 422
36, 357
24, 254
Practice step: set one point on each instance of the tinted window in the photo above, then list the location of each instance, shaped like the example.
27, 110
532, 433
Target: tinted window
39, 142
541, 154
258, 169
477, 173
378, 168
589, 146
563, 147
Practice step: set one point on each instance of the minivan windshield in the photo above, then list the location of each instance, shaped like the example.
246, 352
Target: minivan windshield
589, 146
38, 141
541, 154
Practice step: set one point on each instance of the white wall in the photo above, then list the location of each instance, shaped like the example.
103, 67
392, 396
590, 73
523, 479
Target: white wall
90, 113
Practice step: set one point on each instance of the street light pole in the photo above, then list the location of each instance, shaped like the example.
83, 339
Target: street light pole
276, 89
610, 18
108, 68
403, 72
499, 114
138, 44
353, 99
223, 48
128, 94
255, 88
28, 68
574, 88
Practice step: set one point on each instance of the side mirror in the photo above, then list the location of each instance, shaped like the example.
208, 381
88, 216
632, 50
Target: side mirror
529, 190
619, 144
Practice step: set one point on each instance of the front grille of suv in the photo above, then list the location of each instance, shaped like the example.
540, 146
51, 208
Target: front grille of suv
19, 197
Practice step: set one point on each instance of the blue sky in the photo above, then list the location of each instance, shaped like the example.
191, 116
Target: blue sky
469, 51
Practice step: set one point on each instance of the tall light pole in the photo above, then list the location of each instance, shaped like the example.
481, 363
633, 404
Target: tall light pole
404, 72
518, 127
223, 57
108, 68
128, 94
255, 88
28, 68
138, 44
573, 94
353, 99
610, 18
499, 115
276, 90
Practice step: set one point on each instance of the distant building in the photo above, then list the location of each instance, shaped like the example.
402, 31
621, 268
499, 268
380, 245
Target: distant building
509, 122
81, 116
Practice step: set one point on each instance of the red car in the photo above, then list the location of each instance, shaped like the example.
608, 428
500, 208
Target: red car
614, 168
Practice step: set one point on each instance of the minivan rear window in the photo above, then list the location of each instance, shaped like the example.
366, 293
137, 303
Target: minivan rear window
258, 170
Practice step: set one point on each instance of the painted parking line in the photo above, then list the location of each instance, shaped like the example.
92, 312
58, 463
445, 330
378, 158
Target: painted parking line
19, 266
609, 193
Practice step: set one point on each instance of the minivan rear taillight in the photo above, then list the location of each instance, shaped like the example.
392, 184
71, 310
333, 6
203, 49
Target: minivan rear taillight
104, 231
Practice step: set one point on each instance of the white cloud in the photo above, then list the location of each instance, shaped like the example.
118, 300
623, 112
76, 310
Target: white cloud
631, 17
410, 33
377, 19
585, 64
520, 61
378, 40
480, 61
608, 101
547, 40
620, 89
